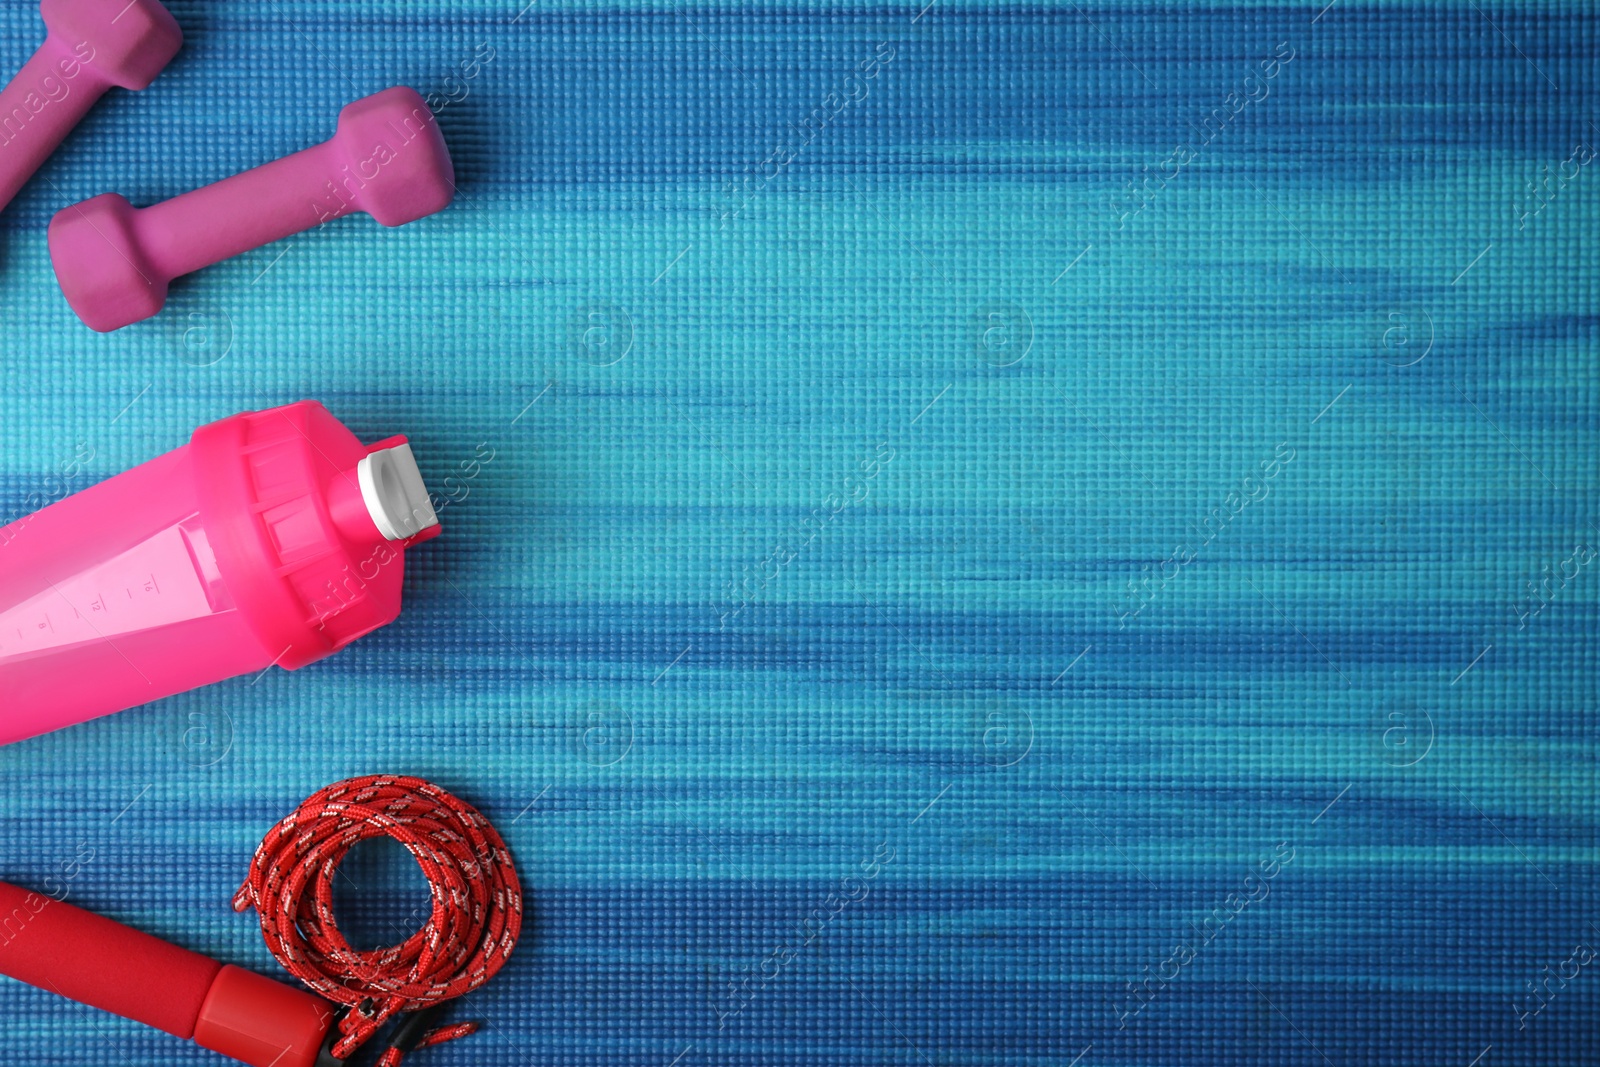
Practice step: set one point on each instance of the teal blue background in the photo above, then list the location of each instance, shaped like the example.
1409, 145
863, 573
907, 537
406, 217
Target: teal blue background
944, 672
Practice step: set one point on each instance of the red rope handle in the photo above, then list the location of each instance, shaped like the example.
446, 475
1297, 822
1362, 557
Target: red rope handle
477, 903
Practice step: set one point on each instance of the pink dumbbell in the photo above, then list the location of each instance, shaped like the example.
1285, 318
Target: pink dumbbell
388, 159
90, 45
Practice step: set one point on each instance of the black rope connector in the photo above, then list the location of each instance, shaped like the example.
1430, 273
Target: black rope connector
413, 1027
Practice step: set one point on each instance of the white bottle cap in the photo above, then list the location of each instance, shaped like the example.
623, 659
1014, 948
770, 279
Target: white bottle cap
395, 495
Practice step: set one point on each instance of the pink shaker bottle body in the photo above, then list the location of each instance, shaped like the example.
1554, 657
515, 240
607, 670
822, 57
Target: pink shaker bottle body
273, 537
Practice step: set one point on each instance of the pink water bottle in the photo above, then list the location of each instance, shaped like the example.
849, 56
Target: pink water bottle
272, 538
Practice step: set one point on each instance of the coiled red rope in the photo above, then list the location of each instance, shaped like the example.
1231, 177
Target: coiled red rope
477, 904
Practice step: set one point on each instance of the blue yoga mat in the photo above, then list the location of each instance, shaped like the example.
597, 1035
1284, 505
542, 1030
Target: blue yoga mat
1030, 534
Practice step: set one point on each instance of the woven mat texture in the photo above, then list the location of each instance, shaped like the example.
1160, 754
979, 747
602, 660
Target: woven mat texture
1031, 534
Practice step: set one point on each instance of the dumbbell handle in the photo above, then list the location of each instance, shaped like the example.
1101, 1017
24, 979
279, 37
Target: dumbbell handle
76, 954
287, 196
24, 147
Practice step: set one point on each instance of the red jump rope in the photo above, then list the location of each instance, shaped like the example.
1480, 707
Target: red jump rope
477, 915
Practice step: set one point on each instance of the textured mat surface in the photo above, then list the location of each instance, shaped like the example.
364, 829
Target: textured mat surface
1037, 535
